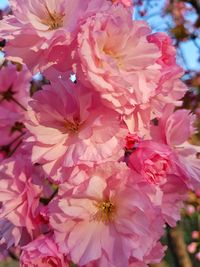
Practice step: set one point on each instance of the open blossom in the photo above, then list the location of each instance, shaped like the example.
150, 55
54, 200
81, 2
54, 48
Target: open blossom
42, 252
39, 35
70, 126
19, 198
124, 76
157, 164
106, 218
137, 82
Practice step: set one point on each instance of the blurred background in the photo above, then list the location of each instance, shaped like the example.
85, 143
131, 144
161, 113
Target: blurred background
181, 20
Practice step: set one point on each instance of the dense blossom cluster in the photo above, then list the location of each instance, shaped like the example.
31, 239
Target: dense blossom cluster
96, 162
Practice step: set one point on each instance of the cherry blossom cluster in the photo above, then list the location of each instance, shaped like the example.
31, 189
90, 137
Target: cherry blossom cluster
97, 162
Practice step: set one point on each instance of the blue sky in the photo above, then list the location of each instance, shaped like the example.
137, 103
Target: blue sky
3, 3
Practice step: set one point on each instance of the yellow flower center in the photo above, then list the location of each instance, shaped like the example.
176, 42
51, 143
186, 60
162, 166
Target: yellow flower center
114, 55
106, 211
53, 20
72, 127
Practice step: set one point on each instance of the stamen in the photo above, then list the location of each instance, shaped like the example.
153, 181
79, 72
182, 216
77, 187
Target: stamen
54, 20
105, 213
72, 127
114, 55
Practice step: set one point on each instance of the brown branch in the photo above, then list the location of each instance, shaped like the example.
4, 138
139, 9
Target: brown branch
179, 248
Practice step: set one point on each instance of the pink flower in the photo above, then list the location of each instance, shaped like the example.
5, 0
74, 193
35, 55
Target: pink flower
105, 218
109, 62
196, 235
39, 35
42, 252
157, 165
19, 198
192, 247
190, 209
70, 126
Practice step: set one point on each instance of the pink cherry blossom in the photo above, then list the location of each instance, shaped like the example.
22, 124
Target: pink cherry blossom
104, 217
192, 247
158, 166
39, 35
156, 163
196, 235
70, 126
190, 209
109, 62
42, 252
